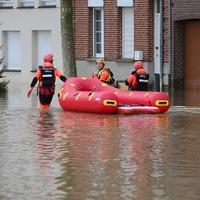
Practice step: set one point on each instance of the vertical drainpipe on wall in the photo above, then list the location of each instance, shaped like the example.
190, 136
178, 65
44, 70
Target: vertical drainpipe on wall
161, 43
170, 80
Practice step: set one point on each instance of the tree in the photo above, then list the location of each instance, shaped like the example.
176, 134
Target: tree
3, 81
67, 34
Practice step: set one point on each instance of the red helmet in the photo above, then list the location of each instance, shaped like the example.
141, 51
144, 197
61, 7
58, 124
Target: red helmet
48, 58
138, 65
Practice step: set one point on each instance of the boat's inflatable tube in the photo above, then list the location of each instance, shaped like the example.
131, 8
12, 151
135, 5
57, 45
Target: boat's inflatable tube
83, 94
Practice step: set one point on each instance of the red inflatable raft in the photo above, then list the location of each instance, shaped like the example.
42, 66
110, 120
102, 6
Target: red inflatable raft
83, 94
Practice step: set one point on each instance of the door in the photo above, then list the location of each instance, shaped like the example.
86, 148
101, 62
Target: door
192, 63
192, 54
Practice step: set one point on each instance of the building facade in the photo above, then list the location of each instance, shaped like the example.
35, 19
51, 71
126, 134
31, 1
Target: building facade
28, 30
159, 32
186, 43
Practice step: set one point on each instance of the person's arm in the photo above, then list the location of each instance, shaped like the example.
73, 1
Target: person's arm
33, 82
60, 75
94, 75
130, 81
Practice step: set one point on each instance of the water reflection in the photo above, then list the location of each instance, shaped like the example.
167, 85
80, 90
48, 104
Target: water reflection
111, 156
46, 145
187, 97
185, 157
79, 156
192, 97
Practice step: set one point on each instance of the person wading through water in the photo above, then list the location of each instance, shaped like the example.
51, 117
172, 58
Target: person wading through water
46, 77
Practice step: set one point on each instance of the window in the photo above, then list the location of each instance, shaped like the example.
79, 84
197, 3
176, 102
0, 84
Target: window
6, 3
125, 3
98, 33
26, 3
158, 6
12, 50
48, 2
127, 33
41, 45
95, 3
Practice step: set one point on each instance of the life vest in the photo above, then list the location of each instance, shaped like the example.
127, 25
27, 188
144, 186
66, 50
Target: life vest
110, 79
47, 76
142, 81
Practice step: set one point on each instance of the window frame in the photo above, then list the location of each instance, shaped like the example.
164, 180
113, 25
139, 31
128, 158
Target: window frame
95, 54
6, 3
37, 41
7, 35
127, 51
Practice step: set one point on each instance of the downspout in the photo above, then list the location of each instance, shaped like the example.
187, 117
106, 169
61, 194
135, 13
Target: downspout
171, 82
161, 44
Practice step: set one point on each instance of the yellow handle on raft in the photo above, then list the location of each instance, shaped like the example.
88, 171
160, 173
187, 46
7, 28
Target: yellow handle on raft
162, 103
108, 102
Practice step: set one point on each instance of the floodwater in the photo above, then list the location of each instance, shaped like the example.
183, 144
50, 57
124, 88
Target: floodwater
58, 155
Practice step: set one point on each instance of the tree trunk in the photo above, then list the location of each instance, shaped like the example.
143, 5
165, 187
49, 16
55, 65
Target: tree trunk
67, 34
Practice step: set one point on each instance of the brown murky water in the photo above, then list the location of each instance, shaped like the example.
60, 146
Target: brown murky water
61, 155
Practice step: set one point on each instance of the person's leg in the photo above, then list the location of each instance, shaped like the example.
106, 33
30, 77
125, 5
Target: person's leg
45, 101
45, 97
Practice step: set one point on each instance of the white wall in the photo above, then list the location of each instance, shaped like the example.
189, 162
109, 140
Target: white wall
26, 21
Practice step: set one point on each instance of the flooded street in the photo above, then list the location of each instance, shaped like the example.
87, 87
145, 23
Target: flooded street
58, 155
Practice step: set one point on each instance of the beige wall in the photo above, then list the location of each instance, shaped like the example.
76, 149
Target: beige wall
25, 21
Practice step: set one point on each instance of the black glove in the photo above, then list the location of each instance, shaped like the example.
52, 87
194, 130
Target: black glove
126, 83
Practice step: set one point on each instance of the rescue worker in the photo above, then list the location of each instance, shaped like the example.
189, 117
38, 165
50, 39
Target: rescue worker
139, 78
103, 74
46, 77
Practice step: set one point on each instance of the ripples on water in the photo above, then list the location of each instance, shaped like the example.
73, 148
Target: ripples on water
64, 155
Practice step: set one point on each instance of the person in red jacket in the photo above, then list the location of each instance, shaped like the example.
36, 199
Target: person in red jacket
104, 74
139, 78
46, 77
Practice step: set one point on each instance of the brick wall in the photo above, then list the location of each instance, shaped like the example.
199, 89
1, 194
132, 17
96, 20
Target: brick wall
178, 70
143, 28
186, 9
84, 30
182, 11
112, 30
83, 25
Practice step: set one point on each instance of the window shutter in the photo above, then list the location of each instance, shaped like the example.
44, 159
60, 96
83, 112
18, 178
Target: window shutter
95, 3
127, 33
13, 46
42, 45
125, 3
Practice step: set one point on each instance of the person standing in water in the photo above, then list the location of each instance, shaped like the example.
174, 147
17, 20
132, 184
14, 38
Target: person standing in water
46, 77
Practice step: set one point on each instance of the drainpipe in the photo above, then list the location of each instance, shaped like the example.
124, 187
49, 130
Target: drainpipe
170, 82
159, 76
161, 43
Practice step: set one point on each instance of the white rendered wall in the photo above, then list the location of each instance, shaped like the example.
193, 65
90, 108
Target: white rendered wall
26, 21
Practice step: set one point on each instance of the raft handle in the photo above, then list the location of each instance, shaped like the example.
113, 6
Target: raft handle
108, 102
162, 103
